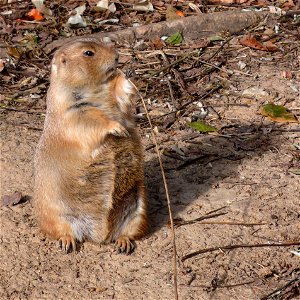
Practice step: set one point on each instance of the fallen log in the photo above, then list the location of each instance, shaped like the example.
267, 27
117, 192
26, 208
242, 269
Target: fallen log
192, 28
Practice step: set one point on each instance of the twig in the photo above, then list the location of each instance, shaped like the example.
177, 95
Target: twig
274, 293
172, 94
233, 223
229, 247
168, 81
219, 286
171, 64
215, 210
214, 89
206, 161
167, 194
180, 222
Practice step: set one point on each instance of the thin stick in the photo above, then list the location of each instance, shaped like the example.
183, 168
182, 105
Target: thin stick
188, 222
233, 223
274, 293
229, 247
167, 194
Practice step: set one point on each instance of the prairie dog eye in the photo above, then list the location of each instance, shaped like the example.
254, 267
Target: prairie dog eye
88, 53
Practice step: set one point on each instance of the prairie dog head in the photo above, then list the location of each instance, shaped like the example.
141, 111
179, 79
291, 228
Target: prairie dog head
83, 62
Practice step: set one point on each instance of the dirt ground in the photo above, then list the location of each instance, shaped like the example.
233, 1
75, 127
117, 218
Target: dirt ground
243, 173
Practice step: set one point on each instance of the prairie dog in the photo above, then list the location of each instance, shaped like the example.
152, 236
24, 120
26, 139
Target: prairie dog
89, 178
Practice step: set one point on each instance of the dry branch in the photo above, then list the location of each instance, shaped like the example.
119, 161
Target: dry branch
286, 290
167, 195
229, 247
192, 28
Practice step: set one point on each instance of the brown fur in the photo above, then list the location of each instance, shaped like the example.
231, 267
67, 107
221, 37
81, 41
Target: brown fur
89, 180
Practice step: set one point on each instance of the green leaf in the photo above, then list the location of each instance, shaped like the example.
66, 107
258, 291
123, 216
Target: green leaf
216, 38
202, 127
175, 39
277, 113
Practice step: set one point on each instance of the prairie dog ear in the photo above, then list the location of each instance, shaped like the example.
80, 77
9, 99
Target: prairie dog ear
108, 42
62, 58
57, 61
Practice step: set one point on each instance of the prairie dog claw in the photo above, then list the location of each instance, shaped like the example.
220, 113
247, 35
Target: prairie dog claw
67, 243
124, 245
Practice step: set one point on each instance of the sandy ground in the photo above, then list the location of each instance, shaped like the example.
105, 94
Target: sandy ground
242, 172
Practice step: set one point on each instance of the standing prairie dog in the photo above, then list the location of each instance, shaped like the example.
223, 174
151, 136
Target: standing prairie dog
89, 179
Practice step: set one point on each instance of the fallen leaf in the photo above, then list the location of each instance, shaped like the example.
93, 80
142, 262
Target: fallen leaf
250, 41
278, 113
227, 1
270, 46
255, 92
143, 5
14, 52
179, 79
171, 13
195, 8
175, 39
287, 74
29, 40
102, 5
77, 20
215, 38
201, 43
158, 43
35, 15
39, 5
112, 21
11, 199
112, 8
267, 34
294, 171
2, 65
180, 13
80, 9
287, 4
202, 127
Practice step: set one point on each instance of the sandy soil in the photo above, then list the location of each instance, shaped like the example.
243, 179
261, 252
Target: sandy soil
242, 172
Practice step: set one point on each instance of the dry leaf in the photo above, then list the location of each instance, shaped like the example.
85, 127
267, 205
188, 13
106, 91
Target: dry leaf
143, 5
11, 199
287, 4
158, 43
14, 52
180, 13
195, 8
171, 13
2, 65
35, 15
227, 1
201, 43
112, 8
278, 113
270, 46
287, 74
39, 5
102, 5
77, 20
250, 41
